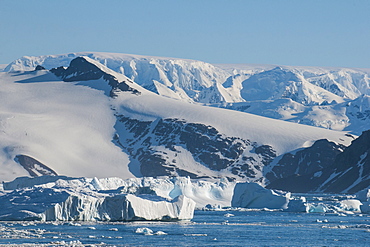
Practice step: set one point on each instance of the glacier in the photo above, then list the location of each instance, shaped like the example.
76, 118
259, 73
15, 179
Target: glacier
62, 198
99, 122
76, 200
298, 94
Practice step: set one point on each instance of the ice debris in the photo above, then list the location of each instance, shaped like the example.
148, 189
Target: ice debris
148, 231
347, 206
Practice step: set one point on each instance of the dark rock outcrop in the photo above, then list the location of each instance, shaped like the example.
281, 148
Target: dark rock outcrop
82, 70
158, 144
34, 167
306, 161
349, 172
39, 67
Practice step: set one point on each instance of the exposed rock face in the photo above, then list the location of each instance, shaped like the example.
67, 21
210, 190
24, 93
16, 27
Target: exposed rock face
82, 70
349, 172
33, 166
39, 67
207, 146
160, 146
351, 169
309, 160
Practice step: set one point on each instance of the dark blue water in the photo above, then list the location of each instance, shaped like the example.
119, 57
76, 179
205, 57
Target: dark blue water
208, 228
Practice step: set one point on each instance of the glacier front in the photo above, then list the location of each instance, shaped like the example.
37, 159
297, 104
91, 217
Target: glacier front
72, 200
115, 199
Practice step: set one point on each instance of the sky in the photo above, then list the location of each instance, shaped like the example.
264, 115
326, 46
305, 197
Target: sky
334, 33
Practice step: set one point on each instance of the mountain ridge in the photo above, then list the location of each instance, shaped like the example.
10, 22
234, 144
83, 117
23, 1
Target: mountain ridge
315, 93
256, 140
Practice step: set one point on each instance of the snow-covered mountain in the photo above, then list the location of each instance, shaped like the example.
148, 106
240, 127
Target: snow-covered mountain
86, 119
2, 67
333, 98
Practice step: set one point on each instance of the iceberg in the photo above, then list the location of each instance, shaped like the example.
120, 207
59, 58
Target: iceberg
74, 200
116, 199
216, 192
213, 194
252, 195
298, 205
348, 206
364, 197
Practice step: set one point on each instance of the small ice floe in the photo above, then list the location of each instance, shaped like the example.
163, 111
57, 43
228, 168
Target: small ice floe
228, 215
38, 231
91, 228
322, 221
341, 214
70, 243
113, 229
144, 231
74, 224
196, 235
92, 236
362, 226
147, 231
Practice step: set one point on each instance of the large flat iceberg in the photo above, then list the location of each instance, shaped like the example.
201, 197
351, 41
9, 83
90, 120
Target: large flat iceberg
76, 200
216, 193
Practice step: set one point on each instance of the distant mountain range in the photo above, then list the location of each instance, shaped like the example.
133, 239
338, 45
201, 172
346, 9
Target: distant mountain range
332, 98
103, 114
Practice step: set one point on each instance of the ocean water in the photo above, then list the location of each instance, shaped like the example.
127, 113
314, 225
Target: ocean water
208, 228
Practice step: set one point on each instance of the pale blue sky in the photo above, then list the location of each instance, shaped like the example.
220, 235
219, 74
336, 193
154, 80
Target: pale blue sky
283, 32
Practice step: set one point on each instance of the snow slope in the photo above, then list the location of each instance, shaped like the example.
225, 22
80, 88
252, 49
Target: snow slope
2, 67
282, 92
98, 122
66, 126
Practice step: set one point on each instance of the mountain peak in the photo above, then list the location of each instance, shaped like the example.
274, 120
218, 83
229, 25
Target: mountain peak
85, 69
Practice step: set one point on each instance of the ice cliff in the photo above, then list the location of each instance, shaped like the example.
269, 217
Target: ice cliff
83, 200
168, 198
115, 199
